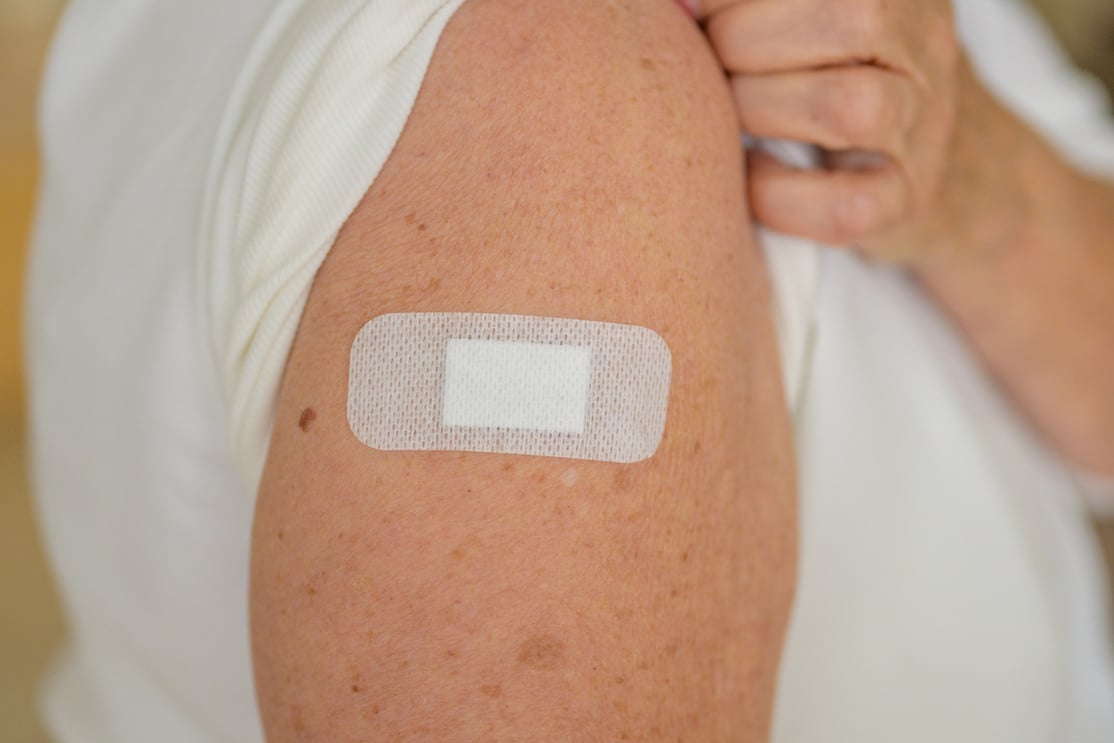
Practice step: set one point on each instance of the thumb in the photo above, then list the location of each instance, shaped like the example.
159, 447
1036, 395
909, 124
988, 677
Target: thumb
702, 10
690, 6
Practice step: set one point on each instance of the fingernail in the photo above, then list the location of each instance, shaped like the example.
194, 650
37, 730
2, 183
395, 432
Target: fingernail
690, 6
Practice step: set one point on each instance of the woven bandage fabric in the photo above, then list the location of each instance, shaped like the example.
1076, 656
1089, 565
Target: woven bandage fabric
509, 384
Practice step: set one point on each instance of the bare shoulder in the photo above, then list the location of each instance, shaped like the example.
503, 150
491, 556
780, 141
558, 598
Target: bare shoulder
572, 159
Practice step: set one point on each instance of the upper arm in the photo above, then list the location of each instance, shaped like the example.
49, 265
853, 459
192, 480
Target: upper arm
565, 159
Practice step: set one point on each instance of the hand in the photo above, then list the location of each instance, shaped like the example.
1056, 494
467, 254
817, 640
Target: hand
912, 143
925, 166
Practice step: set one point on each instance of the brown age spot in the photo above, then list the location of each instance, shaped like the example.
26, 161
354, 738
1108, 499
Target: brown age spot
648, 64
542, 653
309, 415
457, 554
621, 480
493, 691
411, 218
434, 285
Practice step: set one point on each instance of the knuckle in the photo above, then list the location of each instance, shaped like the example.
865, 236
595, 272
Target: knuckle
943, 39
859, 109
854, 218
865, 22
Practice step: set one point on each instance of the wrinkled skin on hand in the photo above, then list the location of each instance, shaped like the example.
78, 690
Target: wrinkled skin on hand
910, 136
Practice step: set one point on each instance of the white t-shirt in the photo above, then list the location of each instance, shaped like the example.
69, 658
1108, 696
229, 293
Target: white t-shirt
200, 159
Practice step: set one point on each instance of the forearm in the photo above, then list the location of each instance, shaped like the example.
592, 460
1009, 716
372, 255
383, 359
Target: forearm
1036, 299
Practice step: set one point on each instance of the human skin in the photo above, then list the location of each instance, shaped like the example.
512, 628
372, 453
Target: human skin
566, 158
927, 169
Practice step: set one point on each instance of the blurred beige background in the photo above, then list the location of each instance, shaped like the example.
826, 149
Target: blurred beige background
30, 624
29, 617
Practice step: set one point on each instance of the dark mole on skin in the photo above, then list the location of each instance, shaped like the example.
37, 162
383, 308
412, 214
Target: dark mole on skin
309, 415
542, 653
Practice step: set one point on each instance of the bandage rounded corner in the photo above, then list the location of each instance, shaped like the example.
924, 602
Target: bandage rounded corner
509, 384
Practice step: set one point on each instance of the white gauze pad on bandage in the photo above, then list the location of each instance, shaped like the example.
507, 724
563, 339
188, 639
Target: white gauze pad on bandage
509, 384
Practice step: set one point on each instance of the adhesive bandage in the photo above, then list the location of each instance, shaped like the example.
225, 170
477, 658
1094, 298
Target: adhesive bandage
509, 384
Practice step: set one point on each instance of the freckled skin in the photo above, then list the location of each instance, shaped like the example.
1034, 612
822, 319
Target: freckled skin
582, 169
542, 653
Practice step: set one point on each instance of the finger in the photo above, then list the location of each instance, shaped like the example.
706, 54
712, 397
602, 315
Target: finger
764, 36
842, 108
843, 208
705, 9
692, 7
